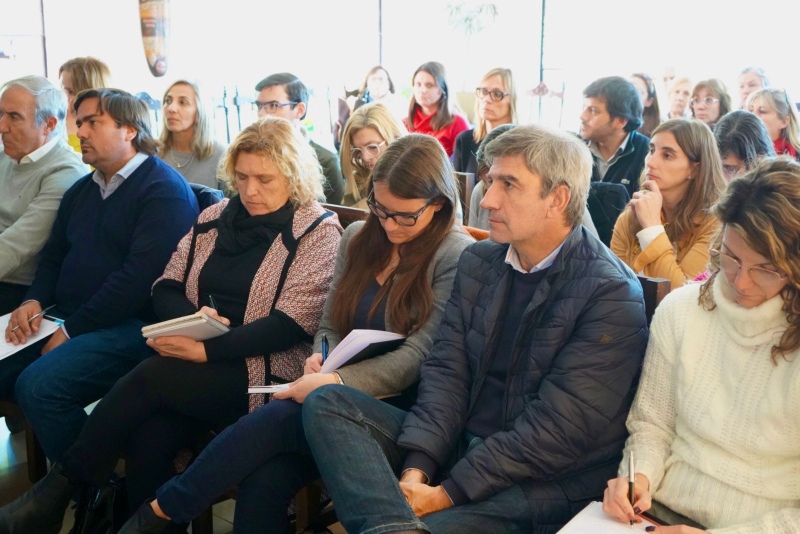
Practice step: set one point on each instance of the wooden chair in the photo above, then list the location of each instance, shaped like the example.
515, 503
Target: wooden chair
655, 289
466, 183
37, 461
346, 214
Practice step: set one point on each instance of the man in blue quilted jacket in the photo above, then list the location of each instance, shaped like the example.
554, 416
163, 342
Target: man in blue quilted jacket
520, 417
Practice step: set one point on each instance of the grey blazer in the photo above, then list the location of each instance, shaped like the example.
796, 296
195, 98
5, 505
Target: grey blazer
394, 371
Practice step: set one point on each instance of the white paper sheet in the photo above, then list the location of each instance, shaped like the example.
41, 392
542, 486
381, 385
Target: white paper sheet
46, 328
593, 519
267, 389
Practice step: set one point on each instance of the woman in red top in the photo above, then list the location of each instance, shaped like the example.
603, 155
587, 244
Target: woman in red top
430, 111
777, 112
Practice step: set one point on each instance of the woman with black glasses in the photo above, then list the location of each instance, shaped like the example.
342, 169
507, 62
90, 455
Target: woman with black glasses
715, 425
393, 272
495, 104
367, 133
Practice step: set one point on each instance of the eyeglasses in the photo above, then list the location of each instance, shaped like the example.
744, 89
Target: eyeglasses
732, 171
272, 105
760, 276
707, 101
495, 96
402, 219
373, 150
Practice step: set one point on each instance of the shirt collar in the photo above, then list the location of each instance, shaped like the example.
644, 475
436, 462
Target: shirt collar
596, 149
512, 259
40, 152
125, 171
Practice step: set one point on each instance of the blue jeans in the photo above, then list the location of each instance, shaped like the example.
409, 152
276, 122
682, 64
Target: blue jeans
353, 437
265, 452
54, 388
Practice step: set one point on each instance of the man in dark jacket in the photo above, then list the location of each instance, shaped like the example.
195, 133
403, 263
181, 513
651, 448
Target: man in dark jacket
520, 418
612, 111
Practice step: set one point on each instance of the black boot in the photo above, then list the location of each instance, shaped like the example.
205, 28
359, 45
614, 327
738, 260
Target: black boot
145, 521
41, 508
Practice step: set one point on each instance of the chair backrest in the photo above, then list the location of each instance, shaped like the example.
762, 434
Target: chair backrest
655, 289
478, 234
206, 196
606, 202
346, 214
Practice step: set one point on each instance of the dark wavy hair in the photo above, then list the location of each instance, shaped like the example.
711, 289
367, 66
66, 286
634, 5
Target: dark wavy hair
742, 134
446, 111
414, 167
620, 97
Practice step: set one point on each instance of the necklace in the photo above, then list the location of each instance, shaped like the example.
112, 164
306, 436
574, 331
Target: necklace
175, 161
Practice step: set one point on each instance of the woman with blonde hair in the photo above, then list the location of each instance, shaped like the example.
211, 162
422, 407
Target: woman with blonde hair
778, 113
76, 75
678, 95
367, 133
401, 285
433, 110
495, 104
187, 137
666, 228
261, 263
715, 425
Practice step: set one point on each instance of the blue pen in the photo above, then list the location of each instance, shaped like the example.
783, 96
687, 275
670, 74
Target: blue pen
324, 348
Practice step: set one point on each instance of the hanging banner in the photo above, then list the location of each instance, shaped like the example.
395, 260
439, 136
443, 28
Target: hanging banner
154, 16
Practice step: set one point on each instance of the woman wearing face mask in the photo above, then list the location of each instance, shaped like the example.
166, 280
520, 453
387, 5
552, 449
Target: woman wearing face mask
665, 230
710, 101
367, 134
431, 111
495, 104
715, 425
777, 112
187, 139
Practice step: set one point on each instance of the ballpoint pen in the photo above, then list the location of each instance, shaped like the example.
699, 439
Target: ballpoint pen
212, 302
324, 348
631, 482
35, 317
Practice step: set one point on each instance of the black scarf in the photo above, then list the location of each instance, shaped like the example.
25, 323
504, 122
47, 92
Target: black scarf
239, 231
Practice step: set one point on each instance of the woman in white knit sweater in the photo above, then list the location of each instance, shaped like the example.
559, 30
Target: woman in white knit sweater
715, 426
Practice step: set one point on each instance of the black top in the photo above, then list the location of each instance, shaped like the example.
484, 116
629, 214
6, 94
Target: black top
487, 414
464, 152
378, 319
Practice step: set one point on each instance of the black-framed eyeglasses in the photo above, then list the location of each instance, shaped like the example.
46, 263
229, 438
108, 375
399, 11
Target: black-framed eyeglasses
495, 96
760, 276
373, 150
402, 219
707, 101
272, 105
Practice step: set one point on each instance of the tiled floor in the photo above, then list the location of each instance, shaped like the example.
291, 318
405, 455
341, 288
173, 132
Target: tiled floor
14, 481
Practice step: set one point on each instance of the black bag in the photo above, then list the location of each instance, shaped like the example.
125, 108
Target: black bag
606, 202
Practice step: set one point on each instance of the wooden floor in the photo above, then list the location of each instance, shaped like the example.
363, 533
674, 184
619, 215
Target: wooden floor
14, 481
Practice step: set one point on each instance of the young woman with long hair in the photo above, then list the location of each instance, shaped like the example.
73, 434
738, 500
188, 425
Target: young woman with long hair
395, 272
76, 75
665, 230
777, 111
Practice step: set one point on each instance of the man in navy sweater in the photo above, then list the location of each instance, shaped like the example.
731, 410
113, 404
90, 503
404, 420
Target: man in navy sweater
113, 235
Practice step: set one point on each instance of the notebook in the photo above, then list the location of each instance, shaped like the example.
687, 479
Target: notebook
360, 345
197, 326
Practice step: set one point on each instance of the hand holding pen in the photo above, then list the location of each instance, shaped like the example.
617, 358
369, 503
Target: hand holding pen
618, 501
24, 322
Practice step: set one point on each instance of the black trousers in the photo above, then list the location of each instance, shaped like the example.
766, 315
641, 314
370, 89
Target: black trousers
161, 407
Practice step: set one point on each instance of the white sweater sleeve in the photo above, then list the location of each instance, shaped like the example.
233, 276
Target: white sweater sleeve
784, 521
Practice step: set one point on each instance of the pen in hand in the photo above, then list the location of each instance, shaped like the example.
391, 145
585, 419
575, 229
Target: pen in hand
324, 348
631, 482
41, 313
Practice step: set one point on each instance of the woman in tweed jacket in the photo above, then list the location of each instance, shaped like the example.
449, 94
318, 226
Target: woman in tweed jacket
264, 260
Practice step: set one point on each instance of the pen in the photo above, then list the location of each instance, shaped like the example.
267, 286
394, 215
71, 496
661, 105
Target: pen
212, 302
631, 482
324, 348
35, 316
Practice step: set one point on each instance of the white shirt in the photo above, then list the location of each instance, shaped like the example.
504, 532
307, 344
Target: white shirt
119, 177
512, 258
40, 152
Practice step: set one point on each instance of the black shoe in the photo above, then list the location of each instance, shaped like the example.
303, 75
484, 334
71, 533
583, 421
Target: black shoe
145, 521
41, 508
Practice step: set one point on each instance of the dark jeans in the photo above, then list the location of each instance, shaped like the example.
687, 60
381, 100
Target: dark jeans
265, 453
11, 296
53, 389
162, 406
353, 438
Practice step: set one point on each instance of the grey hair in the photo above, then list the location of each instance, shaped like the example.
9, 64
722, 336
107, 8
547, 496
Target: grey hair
758, 71
558, 158
49, 101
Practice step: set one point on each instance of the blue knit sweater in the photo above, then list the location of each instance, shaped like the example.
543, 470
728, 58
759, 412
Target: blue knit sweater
103, 256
